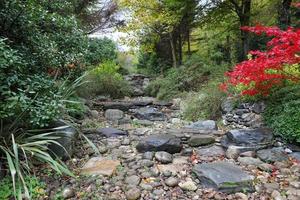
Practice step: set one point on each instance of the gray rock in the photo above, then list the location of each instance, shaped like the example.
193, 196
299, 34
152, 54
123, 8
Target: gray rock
249, 139
163, 157
133, 180
94, 114
67, 137
223, 176
124, 106
162, 142
147, 187
187, 152
295, 155
148, 113
114, 114
250, 161
227, 105
133, 194
147, 163
149, 155
258, 107
171, 182
143, 101
200, 140
211, 151
111, 132
272, 155
232, 152
204, 125
143, 122
68, 193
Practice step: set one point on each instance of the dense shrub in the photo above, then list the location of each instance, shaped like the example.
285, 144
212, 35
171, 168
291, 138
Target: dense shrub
283, 113
203, 104
105, 80
100, 50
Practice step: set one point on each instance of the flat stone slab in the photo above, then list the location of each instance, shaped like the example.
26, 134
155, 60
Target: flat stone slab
250, 139
162, 142
111, 132
224, 176
272, 155
201, 140
204, 125
148, 113
124, 106
211, 151
100, 166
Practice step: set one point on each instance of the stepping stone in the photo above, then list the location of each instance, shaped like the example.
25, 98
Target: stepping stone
124, 106
143, 101
114, 114
272, 155
111, 132
224, 176
204, 125
100, 166
162, 142
151, 114
211, 151
201, 140
248, 139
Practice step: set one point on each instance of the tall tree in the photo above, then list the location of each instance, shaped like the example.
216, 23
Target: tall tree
284, 14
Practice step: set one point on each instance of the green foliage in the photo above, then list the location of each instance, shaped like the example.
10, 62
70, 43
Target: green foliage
35, 187
205, 103
105, 80
101, 50
283, 113
189, 77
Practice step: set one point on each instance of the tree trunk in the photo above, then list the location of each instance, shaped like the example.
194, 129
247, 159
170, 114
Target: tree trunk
244, 15
173, 51
179, 49
284, 14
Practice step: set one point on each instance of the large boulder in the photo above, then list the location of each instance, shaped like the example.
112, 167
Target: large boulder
248, 139
67, 135
162, 142
223, 176
148, 113
204, 125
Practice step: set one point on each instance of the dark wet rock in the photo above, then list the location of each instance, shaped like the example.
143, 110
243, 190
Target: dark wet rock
248, 139
67, 137
272, 155
211, 151
124, 106
223, 176
114, 114
162, 142
187, 152
148, 113
201, 140
204, 125
111, 132
163, 157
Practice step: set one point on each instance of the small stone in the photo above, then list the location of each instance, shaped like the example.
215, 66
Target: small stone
276, 195
295, 184
147, 163
133, 180
163, 157
232, 152
126, 141
102, 149
187, 152
270, 187
249, 161
94, 113
113, 114
266, 167
241, 196
100, 166
147, 187
68, 193
133, 194
248, 154
171, 182
188, 185
149, 155
167, 173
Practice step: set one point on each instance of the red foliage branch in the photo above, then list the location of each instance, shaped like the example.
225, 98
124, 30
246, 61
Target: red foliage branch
266, 69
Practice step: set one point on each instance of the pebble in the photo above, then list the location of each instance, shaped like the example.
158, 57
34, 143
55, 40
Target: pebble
188, 185
149, 155
132, 180
241, 196
68, 193
163, 157
133, 194
171, 182
232, 152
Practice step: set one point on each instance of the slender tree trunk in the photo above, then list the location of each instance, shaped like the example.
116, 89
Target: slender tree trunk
244, 16
284, 14
189, 41
179, 49
173, 51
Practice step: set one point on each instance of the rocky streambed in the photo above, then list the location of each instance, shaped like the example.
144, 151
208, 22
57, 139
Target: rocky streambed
146, 151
